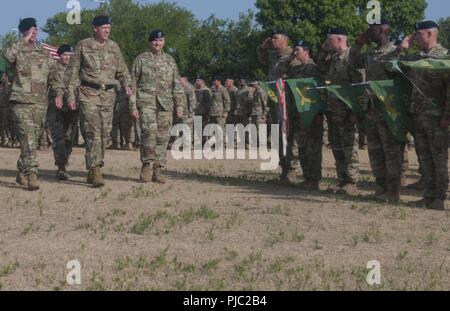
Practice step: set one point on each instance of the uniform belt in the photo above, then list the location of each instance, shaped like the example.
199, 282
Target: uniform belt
103, 87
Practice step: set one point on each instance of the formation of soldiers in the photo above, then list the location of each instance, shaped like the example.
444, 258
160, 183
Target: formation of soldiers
137, 108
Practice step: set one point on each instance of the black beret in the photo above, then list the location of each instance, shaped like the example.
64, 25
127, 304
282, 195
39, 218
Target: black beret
156, 34
383, 21
278, 32
101, 20
426, 25
337, 31
218, 78
26, 24
303, 44
64, 49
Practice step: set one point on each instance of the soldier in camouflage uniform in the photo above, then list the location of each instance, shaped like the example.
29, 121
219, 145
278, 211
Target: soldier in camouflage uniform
232, 90
220, 105
32, 65
191, 103
430, 110
204, 101
308, 139
276, 53
385, 151
157, 81
341, 120
95, 67
259, 108
121, 132
60, 118
244, 102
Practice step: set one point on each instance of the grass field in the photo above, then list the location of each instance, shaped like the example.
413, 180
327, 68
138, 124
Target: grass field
216, 225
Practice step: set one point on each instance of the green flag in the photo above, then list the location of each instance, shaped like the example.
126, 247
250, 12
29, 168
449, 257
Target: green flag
308, 100
393, 97
354, 96
429, 64
271, 91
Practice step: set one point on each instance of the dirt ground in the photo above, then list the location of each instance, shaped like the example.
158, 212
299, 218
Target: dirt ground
216, 225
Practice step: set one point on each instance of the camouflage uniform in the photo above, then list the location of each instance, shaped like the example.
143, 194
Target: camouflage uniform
29, 99
259, 109
231, 116
191, 106
385, 151
244, 102
427, 110
309, 139
158, 90
99, 65
61, 122
341, 126
219, 106
204, 99
122, 120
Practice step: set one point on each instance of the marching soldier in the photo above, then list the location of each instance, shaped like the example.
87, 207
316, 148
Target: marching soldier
61, 119
32, 66
159, 93
97, 63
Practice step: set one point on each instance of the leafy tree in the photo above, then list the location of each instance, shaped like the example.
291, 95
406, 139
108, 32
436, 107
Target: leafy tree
444, 34
309, 20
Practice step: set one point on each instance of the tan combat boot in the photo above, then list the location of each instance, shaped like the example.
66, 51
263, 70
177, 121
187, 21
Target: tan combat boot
21, 179
438, 205
146, 172
97, 177
157, 177
33, 184
62, 173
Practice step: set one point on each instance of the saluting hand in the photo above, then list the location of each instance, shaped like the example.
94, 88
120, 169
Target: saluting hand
408, 42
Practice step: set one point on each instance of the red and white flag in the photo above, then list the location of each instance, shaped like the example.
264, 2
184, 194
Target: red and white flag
53, 51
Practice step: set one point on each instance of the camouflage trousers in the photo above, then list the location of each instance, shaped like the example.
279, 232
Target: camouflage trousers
28, 120
259, 120
432, 148
309, 143
244, 120
156, 124
385, 152
97, 123
62, 126
122, 127
343, 145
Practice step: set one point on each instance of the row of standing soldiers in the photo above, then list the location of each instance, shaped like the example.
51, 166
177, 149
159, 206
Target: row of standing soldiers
340, 64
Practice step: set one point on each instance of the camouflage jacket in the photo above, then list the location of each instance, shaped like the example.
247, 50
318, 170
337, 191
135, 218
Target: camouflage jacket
259, 103
434, 96
374, 61
304, 71
156, 79
278, 62
32, 68
191, 99
220, 102
95, 63
244, 102
204, 99
58, 82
